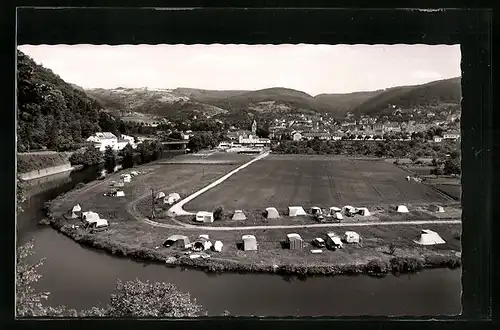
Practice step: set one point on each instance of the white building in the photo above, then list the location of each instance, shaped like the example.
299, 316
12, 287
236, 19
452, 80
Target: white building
102, 140
451, 136
254, 141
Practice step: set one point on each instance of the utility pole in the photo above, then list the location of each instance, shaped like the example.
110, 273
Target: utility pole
152, 203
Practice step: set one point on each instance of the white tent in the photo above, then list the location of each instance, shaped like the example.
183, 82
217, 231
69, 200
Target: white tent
348, 209
429, 237
160, 194
334, 209
171, 198
316, 210
333, 240
99, 223
90, 216
338, 216
436, 208
120, 193
294, 211
73, 215
76, 208
239, 215
134, 173
204, 236
204, 216
272, 213
217, 246
352, 237
363, 211
402, 209
127, 179
249, 243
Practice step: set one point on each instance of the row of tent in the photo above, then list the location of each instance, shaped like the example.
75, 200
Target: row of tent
201, 244
125, 178
167, 199
90, 218
293, 211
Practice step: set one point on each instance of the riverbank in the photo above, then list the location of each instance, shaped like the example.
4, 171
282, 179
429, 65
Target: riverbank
128, 235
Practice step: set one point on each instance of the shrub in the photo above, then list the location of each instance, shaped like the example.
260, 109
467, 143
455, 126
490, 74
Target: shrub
219, 213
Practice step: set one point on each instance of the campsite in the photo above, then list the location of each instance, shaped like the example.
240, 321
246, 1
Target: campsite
129, 235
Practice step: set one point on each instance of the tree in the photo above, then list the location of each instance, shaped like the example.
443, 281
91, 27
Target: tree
218, 213
176, 136
109, 159
414, 158
89, 157
452, 166
436, 170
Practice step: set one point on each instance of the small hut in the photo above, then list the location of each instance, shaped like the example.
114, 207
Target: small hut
272, 213
249, 243
239, 215
294, 241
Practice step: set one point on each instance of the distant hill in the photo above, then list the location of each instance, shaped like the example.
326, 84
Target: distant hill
431, 94
340, 104
242, 105
51, 112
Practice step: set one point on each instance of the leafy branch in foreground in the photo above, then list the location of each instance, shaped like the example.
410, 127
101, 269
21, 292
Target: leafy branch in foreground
130, 299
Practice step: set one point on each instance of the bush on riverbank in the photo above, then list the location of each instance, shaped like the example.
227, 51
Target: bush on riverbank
384, 149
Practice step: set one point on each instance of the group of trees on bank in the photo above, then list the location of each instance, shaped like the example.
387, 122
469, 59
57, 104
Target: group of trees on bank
387, 149
51, 113
204, 140
450, 165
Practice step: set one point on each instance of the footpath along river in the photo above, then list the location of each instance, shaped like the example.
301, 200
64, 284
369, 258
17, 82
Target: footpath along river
81, 277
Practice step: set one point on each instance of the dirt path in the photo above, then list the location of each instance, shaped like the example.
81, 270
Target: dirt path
177, 209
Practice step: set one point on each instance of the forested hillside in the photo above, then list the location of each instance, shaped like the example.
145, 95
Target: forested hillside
51, 112
436, 93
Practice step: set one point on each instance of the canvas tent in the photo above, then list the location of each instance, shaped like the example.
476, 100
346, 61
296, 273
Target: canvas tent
127, 178
120, 193
160, 194
352, 237
239, 215
204, 216
249, 243
204, 236
337, 216
89, 216
73, 215
180, 241
295, 242
134, 173
436, 208
294, 211
202, 245
171, 198
402, 209
334, 210
429, 237
76, 208
272, 213
217, 246
363, 211
316, 210
333, 241
348, 209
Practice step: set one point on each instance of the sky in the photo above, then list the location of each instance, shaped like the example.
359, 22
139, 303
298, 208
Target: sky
314, 69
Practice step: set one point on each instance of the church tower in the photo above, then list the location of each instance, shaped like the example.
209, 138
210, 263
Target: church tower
254, 127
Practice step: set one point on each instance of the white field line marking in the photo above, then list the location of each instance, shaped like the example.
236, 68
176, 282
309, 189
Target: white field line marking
319, 225
177, 209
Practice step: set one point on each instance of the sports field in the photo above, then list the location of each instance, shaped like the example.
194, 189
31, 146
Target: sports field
286, 180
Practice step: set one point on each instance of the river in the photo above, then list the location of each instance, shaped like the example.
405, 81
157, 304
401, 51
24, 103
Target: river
81, 277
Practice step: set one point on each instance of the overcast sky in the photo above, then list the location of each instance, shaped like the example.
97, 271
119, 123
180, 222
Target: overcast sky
314, 69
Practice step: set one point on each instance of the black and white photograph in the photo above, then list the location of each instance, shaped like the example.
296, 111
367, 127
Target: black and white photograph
175, 180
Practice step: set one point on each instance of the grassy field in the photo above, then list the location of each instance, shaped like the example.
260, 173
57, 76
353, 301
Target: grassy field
286, 180
129, 237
